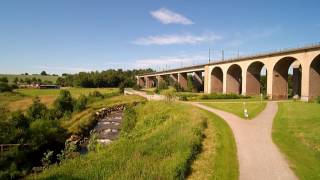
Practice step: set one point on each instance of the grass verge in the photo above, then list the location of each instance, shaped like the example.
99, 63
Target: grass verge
218, 158
296, 131
236, 108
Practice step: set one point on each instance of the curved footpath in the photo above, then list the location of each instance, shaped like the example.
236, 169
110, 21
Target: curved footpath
258, 156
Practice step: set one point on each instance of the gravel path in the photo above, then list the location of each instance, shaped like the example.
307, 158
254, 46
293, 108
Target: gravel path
259, 158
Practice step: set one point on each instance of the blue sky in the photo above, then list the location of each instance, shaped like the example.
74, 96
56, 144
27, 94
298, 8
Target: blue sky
71, 36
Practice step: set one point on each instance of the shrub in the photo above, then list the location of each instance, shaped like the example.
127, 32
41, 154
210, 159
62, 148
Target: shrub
81, 103
169, 94
96, 94
223, 96
177, 87
318, 100
5, 87
183, 97
64, 102
37, 110
4, 79
136, 87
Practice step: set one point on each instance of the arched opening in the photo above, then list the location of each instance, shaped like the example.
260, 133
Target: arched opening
286, 79
234, 79
314, 78
256, 79
217, 80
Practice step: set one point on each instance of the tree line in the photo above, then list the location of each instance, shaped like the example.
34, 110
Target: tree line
108, 78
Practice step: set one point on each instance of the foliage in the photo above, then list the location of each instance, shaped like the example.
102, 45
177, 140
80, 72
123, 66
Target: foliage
81, 103
64, 102
222, 96
43, 73
5, 87
37, 110
183, 97
169, 94
191, 85
318, 99
70, 151
108, 78
4, 79
161, 86
178, 87
47, 159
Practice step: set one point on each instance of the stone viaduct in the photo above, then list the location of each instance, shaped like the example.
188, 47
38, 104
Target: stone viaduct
242, 75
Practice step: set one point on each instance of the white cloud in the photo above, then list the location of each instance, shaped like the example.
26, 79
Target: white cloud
166, 16
171, 61
176, 39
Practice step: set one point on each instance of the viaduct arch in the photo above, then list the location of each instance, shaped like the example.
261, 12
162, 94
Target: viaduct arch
243, 75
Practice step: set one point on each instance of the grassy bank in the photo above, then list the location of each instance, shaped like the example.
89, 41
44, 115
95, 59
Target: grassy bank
161, 145
218, 158
254, 108
296, 131
82, 121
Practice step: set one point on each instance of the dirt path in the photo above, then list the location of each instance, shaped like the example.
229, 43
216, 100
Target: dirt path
259, 158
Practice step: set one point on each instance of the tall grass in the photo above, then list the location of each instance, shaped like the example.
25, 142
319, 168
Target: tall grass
161, 145
82, 122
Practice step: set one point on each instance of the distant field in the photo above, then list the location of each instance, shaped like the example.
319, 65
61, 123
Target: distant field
22, 98
11, 77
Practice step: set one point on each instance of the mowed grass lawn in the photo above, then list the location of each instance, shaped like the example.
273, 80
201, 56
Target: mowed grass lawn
22, 98
162, 144
296, 131
237, 108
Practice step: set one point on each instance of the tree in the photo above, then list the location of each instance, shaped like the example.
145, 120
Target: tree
5, 87
16, 80
64, 102
43, 73
37, 110
4, 79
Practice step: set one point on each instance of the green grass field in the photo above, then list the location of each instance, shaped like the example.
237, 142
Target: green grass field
11, 77
163, 143
254, 108
22, 98
296, 131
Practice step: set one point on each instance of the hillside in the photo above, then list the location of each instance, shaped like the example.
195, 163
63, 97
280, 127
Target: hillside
11, 77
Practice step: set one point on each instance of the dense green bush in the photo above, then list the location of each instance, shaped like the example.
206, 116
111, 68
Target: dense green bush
318, 99
222, 96
4, 79
37, 110
5, 87
64, 102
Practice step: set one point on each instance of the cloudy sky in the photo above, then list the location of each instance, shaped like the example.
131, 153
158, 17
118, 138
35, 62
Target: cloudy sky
71, 36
